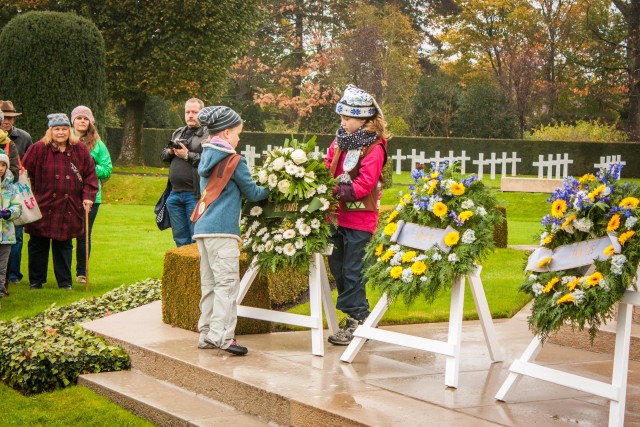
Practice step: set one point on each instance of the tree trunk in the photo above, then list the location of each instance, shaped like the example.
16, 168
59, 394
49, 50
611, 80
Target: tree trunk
131, 151
634, 75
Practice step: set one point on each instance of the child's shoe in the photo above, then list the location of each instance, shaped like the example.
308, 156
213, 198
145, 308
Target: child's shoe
236, 349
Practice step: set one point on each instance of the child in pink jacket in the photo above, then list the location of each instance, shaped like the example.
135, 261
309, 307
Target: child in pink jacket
356, 157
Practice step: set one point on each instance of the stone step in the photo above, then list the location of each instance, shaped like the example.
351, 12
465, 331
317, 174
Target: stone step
162, 403
278, 382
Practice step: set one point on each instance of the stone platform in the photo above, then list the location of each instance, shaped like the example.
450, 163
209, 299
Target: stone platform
280, 383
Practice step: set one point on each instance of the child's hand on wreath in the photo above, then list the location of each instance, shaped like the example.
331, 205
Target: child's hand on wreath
345, 192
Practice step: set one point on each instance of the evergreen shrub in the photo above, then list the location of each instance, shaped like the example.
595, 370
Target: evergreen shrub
53, 63
49, 351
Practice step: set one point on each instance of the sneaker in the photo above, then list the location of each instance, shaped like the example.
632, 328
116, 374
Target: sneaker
14, 281
81, 279
204, 344
236, 349
348, 325
35, 286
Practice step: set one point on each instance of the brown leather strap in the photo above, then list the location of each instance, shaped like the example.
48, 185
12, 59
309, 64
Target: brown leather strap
219, 178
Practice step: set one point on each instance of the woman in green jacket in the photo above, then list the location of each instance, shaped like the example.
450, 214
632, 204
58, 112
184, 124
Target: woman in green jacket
84, 128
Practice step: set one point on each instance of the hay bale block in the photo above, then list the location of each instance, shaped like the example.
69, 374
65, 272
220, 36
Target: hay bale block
181, 292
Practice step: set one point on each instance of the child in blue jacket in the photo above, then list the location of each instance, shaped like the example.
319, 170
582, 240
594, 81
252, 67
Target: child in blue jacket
225, 178
10, 209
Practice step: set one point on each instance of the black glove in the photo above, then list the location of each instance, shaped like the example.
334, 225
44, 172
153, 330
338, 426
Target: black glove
345, 192
5, 213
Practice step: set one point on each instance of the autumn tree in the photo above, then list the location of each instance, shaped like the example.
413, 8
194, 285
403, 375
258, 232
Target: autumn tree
162, 48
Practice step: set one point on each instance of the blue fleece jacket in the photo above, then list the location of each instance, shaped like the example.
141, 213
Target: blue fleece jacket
222, 217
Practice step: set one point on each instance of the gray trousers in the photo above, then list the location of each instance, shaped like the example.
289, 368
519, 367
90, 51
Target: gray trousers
219, 280
5, 251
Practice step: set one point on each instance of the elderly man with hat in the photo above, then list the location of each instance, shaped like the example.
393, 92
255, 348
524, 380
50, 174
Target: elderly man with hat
22, 141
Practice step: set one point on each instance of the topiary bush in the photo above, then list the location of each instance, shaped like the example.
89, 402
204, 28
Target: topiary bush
61, 59
501, 231
49, 351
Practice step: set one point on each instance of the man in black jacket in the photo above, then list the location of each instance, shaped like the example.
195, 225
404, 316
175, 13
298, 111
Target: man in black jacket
183, 155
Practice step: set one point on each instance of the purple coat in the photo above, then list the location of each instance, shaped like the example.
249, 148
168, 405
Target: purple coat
60, 182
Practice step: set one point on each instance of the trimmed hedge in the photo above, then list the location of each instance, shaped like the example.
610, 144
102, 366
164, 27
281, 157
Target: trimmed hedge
583, 154
49, 351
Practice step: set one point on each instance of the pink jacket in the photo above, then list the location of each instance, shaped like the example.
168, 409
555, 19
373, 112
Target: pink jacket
370, 171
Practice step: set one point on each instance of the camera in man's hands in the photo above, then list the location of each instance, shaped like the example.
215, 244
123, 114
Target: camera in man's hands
176, 143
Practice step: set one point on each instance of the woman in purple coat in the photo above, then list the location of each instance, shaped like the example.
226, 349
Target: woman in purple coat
64, 181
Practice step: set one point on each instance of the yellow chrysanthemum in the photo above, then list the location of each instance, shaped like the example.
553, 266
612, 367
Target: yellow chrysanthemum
572, 284
379, 249
451, 238
408, 256
457, 189
392, 216
390, 228
592, 196
629, 202
625, 236
544, 262
432, 187
549, 285
465, 215
614, 223
568, 221
396, 272
586, 178
558, 208
434, 175
387, 256
594, 279
609, 250
565, 298
440, 209
418, 268
548, 239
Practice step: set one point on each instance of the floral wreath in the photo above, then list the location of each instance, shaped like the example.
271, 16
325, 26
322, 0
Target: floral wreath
584, 210
464, 213
288, 228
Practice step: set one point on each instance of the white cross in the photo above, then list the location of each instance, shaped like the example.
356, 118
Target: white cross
481, 162
606, 161
266, 152
398, 157
250, 154
416, 158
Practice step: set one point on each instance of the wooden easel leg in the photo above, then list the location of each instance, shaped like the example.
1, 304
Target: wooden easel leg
456, 312
484, 314
327, 300
621, 364
513, 379
246, 281
372, 321
315, 303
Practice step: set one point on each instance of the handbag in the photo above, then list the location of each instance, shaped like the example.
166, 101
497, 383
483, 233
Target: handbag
162, 213
30, 210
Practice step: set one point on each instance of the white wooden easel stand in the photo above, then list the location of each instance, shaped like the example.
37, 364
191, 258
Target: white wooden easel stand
616, 391
319, 296
450, 348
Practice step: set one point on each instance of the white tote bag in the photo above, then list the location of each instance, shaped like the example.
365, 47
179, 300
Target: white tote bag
30, 210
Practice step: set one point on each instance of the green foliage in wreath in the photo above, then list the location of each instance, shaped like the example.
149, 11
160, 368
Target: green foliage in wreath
591, 207
437, 200
287, 229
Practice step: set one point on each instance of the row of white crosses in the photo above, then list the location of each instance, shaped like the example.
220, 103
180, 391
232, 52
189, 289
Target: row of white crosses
555, 166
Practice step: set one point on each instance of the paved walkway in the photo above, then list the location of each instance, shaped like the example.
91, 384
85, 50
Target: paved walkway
391, 385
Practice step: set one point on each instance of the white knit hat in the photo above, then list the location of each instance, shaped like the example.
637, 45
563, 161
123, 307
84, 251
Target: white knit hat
358, 103
4, 158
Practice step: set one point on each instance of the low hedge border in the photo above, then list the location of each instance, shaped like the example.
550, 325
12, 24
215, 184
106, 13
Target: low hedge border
49, 351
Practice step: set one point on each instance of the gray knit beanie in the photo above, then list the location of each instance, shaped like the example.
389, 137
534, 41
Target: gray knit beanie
58, 119
218, 118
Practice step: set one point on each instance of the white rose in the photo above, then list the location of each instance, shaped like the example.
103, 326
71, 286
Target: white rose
299, 156
284, 185
278, 164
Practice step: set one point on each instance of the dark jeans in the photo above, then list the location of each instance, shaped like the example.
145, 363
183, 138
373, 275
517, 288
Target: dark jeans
13, 271
181, 206
346, 263
81, 252
62, 251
